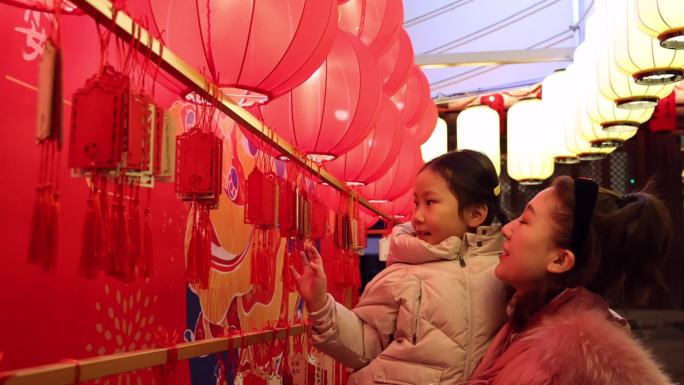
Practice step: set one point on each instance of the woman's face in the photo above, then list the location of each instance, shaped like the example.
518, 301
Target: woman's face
529, 249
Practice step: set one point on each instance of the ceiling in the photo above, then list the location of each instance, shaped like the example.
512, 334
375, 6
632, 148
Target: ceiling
465, 26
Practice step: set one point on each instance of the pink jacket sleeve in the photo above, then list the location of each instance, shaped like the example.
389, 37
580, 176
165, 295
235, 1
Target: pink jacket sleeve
405, 247
355, 337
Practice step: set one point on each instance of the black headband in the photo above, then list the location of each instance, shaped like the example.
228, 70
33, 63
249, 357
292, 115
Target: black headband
586, 191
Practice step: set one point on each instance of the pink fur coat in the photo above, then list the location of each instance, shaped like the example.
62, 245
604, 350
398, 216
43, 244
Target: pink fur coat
574, 340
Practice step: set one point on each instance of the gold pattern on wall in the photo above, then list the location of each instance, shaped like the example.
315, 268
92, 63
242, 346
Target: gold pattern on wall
125, 323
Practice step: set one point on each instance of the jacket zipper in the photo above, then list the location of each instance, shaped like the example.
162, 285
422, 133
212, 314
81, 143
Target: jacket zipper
469, 341
462, 251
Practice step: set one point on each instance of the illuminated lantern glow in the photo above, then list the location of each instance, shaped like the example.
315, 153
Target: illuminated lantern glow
554, 104
399, 178
529, 159
436, 145
662, 19
422, 130
377, 23
614, 84
335, 109
637, 54
396, 64
412, 97
254, 50
371, 158
477, 128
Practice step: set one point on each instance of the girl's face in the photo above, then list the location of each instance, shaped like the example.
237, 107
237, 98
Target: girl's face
436, 215
529, 249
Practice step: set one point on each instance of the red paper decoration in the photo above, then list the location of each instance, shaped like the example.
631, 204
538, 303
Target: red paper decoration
334, 109
371, 158
262, 195
256, 49
396, 64
400, 176
98, 121
198, 180
376, 23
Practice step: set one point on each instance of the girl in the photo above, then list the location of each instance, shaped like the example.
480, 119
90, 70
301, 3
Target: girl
573, 246
429, 316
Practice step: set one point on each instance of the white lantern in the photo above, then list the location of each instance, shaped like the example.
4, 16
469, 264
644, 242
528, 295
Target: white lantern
600, 121
613, 83
436, 144
572, 114
662, 19
477, 128
528, 157
638, 54
554, 104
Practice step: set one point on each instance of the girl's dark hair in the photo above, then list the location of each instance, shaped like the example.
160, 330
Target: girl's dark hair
472, 178
628, 240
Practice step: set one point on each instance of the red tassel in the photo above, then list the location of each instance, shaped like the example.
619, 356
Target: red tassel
36, 249
199, 250
205, 252
191, 264
135, 244
51, 228
147, 248
88, 264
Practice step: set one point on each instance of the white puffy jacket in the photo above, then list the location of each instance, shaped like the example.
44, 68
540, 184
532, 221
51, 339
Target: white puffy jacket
426, 319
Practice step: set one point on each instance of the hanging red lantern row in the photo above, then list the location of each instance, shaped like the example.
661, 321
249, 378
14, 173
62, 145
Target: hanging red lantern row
413, 97
371, 158
400, 177
422, 130
400, 208
376, 23
396, 64
335, 108
368, 217
198, 181
274, 45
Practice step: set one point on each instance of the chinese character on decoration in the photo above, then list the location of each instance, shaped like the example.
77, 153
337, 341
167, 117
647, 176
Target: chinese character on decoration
35, 34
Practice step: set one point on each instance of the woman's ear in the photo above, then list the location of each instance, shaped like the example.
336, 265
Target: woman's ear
475, 215
561, 262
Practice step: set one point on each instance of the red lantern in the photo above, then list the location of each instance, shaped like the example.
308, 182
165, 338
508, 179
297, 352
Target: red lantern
422, 130
400, 177
377, 23
412, 97
496, 102
336, 108
395, 64
371, 158
400, 208
255, 50
368, 217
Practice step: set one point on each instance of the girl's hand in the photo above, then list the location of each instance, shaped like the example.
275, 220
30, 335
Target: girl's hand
312, 282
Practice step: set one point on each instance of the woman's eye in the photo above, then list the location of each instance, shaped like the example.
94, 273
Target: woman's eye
429, 202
